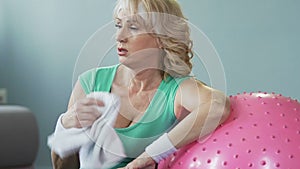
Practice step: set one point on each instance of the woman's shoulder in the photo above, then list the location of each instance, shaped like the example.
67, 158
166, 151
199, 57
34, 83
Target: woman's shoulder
199, 92
96, 70
192, 84
193, 89
104, 68
98, 78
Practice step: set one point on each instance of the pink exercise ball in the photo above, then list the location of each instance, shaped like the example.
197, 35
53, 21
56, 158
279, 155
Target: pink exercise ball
263, 131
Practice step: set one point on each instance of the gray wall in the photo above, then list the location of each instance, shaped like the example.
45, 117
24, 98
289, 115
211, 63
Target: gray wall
257, 41
3, 58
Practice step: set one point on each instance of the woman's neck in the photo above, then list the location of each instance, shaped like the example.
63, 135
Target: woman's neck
145, 80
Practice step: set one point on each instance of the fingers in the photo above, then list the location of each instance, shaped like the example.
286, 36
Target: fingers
83, 113
151, 167
139, 163
130, 167
87, 112
91, 101
84, 123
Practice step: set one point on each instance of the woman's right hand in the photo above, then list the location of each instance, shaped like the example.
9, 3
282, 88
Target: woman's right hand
82, 114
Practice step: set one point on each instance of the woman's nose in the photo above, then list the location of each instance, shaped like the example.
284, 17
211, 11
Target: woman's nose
121, 35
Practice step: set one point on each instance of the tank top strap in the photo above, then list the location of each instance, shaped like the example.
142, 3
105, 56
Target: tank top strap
98, 79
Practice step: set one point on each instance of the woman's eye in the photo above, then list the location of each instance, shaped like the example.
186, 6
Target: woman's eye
132, 27
118, 26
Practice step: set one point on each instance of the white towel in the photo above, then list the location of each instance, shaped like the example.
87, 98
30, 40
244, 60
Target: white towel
99, 146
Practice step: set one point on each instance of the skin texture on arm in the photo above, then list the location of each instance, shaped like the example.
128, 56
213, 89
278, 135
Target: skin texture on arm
207, 109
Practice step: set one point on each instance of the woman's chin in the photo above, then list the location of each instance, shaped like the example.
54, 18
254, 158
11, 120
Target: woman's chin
122, 59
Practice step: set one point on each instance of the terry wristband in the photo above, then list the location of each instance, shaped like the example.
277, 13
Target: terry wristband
59, 127
160, 148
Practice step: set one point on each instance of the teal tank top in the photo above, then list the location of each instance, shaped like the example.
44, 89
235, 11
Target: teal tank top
158, 118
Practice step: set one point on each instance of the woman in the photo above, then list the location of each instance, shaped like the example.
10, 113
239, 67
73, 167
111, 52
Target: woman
162, 107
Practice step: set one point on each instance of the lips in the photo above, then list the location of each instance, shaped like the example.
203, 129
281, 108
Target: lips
122, 51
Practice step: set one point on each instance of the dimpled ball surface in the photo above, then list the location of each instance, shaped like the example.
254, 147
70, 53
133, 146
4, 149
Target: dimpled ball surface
263, 131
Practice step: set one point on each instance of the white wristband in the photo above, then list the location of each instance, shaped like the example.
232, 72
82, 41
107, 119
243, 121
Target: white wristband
160, 148
59, 127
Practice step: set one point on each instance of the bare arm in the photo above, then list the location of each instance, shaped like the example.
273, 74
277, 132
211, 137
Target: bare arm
81, 112
208, 108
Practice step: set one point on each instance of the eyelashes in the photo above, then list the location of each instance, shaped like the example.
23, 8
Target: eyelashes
131, 27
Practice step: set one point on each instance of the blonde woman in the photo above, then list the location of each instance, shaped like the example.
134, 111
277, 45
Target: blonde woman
163, 108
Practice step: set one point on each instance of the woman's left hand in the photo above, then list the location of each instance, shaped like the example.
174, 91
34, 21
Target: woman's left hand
144, 161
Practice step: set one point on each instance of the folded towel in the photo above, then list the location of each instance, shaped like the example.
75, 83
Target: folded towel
99, 146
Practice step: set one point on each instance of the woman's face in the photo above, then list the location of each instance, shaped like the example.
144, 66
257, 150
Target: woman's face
135, 45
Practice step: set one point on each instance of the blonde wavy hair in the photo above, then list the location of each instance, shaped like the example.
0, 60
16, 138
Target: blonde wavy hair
167, 23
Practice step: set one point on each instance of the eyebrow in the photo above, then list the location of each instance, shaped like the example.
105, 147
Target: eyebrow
128, 20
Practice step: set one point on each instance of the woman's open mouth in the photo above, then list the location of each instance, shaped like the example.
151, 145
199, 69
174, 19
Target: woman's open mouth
122, 51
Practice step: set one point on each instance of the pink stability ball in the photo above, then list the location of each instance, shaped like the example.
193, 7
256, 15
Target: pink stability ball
263, 131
